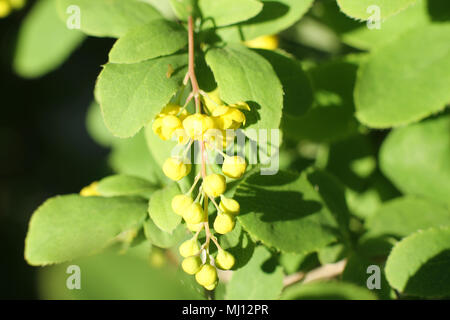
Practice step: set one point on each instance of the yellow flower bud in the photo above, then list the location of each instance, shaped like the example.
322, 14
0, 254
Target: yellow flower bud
180, 203
189, 248
194, 227
164, 127
224, 223
90, 190
228, 205
191, 265
225, 260
195, 214
211, 286
214, 185
206, 276
169, 122
5, 8
234, 167
263, 42
197, 124
175, 169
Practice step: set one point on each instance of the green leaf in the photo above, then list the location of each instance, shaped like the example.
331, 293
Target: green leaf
225, 12
416, 158
131, 95
132, 157
260, 279
109, 18
298, 92
362, 37
390, 92
239, 244
286, 212
291, 262
68, 227
274, 17
44, 42
244, 76
359, 9
402, 216
331, 253
184, 8
356, 272
124, 185
160, 208
110, 276
418, 265
332, 116
164, 239
155, 39
327, 291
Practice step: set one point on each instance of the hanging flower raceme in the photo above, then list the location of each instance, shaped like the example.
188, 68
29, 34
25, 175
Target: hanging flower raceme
211, 128
206, 130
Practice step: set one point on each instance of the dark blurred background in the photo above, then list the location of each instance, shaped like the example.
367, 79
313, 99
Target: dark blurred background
44, 146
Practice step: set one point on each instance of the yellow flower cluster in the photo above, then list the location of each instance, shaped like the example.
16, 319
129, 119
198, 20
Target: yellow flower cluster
207, 129
6, 6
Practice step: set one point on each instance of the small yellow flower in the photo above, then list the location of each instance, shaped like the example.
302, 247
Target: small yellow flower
90, 190
189, 248
234, 167
228, 205
225, 260
228, 117
224, 223
195, 214
206, 276
191, 265
197, 124
169, 122
166, 126
264, 42
175, 169
214, 185
180, 203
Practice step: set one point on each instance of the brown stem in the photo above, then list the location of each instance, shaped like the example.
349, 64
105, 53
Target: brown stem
191, 69
196, 93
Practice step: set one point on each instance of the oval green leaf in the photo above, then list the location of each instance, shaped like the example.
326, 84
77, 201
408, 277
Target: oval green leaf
242, 75
406, 80
130, 95
416, 158
108, 18
364, 9
418, 265
68, 227
44, 42
155, 39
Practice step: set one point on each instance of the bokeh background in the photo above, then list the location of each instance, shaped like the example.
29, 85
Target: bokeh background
44, 146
